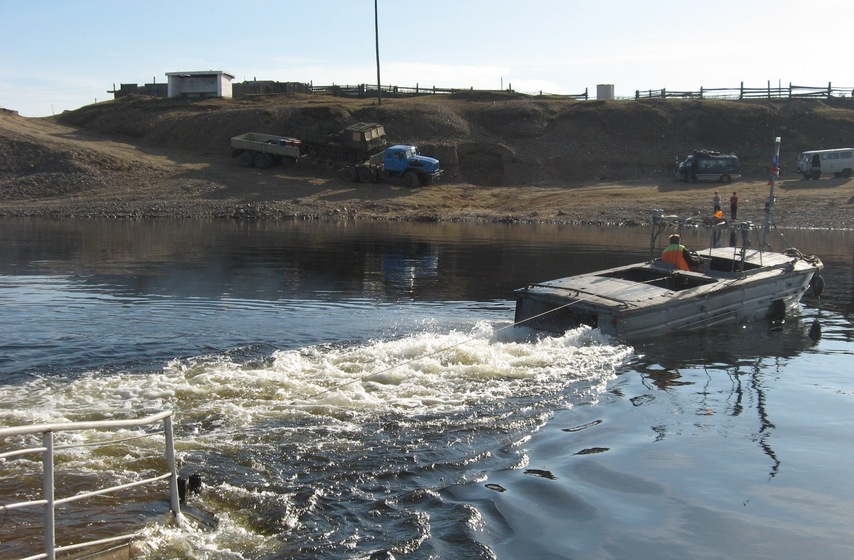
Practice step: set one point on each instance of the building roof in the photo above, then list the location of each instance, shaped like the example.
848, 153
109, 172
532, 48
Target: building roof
202, 73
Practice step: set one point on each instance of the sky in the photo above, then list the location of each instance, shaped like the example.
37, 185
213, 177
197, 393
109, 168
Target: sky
58, 55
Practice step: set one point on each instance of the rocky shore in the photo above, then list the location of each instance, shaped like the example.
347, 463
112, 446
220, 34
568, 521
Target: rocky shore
54, 170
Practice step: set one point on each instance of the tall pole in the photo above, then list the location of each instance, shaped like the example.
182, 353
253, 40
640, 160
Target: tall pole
377, 37
769, 204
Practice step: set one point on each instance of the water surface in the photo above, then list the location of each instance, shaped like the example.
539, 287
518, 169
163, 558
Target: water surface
351, 388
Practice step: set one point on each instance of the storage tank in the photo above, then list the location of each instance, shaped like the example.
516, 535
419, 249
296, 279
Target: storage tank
605, 91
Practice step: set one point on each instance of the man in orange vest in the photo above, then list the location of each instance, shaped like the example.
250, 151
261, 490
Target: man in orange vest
676, 254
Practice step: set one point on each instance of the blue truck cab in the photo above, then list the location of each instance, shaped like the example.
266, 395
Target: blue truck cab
404, 162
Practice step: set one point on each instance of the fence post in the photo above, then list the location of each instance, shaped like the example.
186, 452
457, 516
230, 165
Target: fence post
829, 91
663, 93
741, 91
49, 507
175, 501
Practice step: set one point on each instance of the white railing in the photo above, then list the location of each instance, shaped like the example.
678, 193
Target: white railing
50, 501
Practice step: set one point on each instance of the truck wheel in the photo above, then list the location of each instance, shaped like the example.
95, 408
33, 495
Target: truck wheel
348, 174
262, 161
816, 173
725, 178
426, 179
289, 161
366, 175
846, 172
247, 159
806, 175
410, 179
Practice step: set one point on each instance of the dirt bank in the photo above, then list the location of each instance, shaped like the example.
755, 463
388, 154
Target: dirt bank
506, 159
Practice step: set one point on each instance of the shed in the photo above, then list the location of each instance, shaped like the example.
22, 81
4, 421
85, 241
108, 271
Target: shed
213, 83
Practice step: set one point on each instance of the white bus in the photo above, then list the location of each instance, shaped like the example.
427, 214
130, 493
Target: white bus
839, 161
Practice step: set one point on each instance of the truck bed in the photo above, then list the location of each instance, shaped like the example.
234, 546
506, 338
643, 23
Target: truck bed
266, 143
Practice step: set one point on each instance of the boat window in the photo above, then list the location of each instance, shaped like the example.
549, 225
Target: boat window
729, 265
667, 281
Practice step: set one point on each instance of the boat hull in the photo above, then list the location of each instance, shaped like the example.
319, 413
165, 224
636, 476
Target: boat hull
652, 299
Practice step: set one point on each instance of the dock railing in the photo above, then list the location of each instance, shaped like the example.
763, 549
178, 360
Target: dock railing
49, 501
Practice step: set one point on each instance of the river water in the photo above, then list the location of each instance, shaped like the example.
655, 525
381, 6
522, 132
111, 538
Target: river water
347, 389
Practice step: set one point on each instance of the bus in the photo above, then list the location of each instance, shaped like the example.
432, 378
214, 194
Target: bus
839, 161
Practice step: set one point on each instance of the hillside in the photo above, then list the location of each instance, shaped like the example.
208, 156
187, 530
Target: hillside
154, 157
496, 139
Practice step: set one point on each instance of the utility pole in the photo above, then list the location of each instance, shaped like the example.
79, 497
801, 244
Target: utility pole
377, 37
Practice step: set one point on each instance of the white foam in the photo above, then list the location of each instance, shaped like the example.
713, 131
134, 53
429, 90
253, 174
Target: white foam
418, 373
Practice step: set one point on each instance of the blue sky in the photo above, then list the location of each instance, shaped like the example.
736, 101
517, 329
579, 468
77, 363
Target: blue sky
58, 55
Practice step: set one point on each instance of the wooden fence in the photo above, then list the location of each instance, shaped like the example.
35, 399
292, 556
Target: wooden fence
768, 92
368, 90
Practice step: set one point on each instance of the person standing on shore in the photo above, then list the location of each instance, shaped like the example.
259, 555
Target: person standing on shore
716, 202
733, 206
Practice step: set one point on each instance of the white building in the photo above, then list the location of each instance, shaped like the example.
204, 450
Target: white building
213, 83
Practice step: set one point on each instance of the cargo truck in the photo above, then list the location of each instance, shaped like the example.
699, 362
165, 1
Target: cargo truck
360, 151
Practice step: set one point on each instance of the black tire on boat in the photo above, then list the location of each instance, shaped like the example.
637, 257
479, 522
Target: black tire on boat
817, 285
777, 311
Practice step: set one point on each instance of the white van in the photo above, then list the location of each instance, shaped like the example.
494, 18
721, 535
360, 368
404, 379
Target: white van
839, 161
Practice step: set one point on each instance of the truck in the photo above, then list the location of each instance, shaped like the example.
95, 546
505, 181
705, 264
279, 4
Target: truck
353, 144
360, 150
402, 162
839, 161
708, 165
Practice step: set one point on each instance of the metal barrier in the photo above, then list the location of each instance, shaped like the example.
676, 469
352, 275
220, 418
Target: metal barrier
50, 501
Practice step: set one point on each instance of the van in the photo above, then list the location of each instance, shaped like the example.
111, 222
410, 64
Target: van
839, 161
705, 165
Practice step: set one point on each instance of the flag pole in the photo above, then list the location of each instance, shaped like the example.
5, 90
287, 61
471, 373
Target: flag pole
769, 204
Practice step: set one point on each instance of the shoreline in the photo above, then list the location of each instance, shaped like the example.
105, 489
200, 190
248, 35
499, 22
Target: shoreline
54, 171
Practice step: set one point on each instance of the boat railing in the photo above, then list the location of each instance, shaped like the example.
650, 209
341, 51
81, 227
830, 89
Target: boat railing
49, 501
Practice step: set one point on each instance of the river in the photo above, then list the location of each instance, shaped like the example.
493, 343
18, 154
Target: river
347, 389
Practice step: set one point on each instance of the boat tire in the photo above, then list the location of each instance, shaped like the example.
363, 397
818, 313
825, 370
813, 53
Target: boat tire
817, 285
777, 311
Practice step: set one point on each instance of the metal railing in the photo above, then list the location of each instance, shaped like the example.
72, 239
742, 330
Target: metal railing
49, 501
